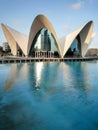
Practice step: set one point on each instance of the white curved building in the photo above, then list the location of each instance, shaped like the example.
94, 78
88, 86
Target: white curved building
15, 39
79, 40
83, 36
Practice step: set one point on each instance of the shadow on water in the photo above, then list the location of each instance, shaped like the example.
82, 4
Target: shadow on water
53, 95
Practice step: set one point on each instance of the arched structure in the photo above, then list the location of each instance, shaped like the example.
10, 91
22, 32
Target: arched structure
84, 34
83, 37
39, 23
15, 39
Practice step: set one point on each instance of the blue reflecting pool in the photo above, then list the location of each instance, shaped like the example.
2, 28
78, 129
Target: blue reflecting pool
49, 96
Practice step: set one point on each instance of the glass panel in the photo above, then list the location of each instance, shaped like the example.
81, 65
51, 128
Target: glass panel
44, 42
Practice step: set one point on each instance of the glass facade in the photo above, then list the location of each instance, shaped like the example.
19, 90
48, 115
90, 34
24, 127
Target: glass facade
75, 48
43, 44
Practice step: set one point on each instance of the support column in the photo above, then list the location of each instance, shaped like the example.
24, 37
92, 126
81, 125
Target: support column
48, 54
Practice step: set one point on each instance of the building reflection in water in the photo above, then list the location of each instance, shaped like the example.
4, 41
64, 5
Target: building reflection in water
38, 71
42, 74
65, 72
33, 74
79, 75
12, 77
20, 73
17, 75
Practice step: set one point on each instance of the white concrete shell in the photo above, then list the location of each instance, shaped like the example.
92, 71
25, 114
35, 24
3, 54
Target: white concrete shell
39, 23
85, 33
15, 39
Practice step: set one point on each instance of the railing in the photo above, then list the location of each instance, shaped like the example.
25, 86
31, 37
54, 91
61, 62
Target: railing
44, 59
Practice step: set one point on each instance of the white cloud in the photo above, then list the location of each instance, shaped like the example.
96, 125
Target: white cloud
78, 5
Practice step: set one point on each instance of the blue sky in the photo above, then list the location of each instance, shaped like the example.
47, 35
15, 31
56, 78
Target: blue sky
65, 15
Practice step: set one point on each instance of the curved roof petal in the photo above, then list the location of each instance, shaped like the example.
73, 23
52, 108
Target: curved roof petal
86, 37
85, 33
14, 38
11, 41
39, 23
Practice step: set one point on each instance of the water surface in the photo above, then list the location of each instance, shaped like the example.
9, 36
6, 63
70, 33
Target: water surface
49, 96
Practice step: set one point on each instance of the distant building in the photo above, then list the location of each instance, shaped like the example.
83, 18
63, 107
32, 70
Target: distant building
92, 52
6, 47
